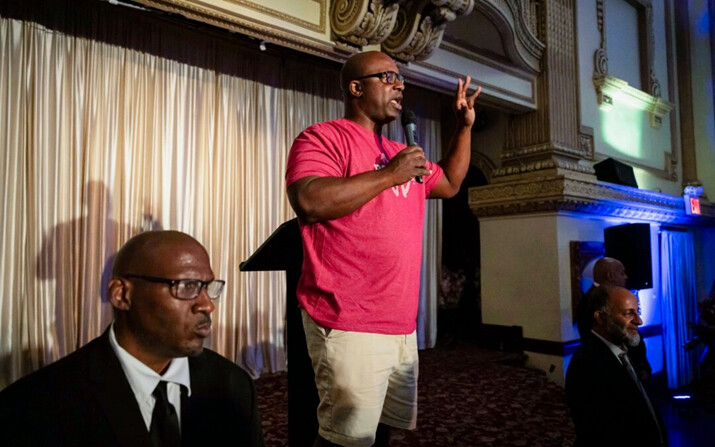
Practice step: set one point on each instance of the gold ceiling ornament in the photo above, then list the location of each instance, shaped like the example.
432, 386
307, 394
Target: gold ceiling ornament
408, 30
363, 22
420, 26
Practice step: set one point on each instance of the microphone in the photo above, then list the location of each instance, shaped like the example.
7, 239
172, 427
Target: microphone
409, 124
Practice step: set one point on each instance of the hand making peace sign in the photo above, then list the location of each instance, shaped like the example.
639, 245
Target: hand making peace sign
463, 104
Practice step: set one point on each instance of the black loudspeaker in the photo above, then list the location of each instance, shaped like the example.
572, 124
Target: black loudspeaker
630, 244
613, 171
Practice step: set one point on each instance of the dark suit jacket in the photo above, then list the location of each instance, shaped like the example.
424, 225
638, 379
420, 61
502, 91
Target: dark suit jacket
85, 399
606, 404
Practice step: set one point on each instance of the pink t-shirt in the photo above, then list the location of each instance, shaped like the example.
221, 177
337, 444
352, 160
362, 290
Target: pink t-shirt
361, 272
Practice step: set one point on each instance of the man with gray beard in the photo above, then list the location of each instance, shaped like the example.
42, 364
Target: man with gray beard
608, 403
610, 272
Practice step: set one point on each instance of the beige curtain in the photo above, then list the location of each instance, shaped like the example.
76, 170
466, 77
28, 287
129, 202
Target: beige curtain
101, 142
430, 138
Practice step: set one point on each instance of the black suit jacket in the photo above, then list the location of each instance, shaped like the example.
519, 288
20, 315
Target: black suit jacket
606, 404
85, 399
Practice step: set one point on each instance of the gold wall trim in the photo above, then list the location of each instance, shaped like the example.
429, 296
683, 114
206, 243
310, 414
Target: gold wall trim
251, 28
321, 27
560, 193
222, 15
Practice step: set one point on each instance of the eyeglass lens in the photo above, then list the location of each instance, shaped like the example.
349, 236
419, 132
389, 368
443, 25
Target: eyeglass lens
391, 77
188, 289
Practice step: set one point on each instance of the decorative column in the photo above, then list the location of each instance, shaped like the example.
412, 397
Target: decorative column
549, 141
526, 214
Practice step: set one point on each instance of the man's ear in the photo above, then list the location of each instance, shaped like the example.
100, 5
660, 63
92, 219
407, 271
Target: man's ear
355, 88
599, 317
118, 294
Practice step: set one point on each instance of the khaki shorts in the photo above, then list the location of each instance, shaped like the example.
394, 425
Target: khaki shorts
363, 379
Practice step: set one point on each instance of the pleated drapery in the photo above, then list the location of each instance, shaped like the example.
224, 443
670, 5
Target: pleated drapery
679, 304
102, 142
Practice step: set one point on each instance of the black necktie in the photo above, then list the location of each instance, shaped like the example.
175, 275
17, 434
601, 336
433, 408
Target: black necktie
164, 431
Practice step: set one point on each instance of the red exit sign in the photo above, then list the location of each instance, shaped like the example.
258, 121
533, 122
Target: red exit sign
693, 205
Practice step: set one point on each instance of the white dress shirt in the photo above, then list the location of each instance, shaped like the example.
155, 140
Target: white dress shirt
143, 379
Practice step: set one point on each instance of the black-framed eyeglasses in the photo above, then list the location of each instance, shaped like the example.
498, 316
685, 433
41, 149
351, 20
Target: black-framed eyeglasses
186, 289
387, 77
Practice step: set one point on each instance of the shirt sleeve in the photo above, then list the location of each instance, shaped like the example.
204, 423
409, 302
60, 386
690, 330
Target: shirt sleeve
432, 179
314, 153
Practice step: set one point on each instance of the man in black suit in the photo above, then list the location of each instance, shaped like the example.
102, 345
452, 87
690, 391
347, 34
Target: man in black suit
162, 290
610, 272
608, 403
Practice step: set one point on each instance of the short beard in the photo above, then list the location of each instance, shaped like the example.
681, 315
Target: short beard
622, 334
632, 340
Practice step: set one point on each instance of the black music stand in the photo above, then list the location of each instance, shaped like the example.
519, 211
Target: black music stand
283, 250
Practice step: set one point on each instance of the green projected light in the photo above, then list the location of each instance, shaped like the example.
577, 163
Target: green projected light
623, 130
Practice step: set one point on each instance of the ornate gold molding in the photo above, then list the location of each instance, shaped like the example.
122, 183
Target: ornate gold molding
559, 193
217, 16
586, 144
535, 150
338, 28
420, 26
255, 29
484, 164
363, 22
407, 30
554, 164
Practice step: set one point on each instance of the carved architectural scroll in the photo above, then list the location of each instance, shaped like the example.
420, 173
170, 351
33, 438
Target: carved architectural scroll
407, 30
363, 22
420, 26
600, 58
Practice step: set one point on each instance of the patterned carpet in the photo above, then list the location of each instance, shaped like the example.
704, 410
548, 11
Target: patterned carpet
469, 397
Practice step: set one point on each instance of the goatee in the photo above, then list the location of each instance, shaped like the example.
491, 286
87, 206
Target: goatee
632, 340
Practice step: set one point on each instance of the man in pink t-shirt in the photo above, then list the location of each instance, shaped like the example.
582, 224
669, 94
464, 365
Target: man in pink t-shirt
360, 201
